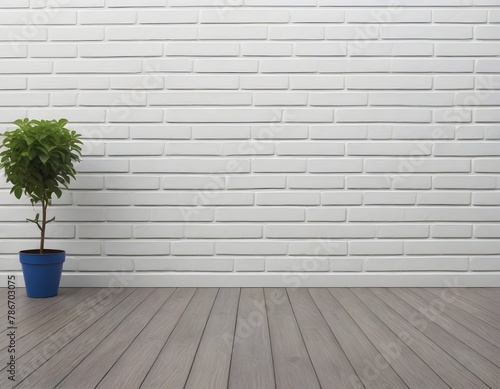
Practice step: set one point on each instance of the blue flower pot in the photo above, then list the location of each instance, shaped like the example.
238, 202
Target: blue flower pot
42, 272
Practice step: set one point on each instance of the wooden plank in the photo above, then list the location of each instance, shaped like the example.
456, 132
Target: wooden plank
468, 320
27, 307
174, 362
50, 347
330, 363
252, 362
434, 314
92, 369
451, 371
45, 347
488, 293
484, 369
50, 374
370, 366
211, 365
127, 373
292, 366
33, 323
474, 304
398, 354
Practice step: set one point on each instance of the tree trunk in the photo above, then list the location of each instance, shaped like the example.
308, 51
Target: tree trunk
44, 224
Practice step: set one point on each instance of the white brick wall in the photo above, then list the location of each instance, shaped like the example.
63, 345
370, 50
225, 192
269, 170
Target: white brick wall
258, 137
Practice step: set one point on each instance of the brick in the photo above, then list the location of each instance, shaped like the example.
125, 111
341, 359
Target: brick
443, 198
469, 50
226, 231
297, 264
18, 34
266, 49
338, 99
267, 214
417, 165
256, 182
287, 198
391, 198
160, 132
315, 182
286, 66
226, 66
193, 248
414, 99
278, 165
188, 49
296, 32
97, 66
316, 16
451, 231
199, 98
242, 32
128, 247
487, 66
411, 182
190, 165
453, 82
334, 165
106, 17
470, 132
168, 198
24, 100
251, 248
465, 182
386, 16
375, 248
486, 165
73, 115
158, 231
368, 182
388, 82
141, 33
426, 32
137, 115
342, 198
487, 32
383, 115
221, 132
257, 115
318, 248
356, 65
121, 50
297, 115
13, 51
310, 148
182, 214
417, 264
137, 183
459, 16
423, 132
127, 214
339, 132
278, 98
432, 65
106, 231
76, 34
244, 16
491, 263
150, 81
376, 49
167, 17
408, 231
13, 83
279, 131
316, 82
23, 67
263, 82
325, 214
487, 231
226, 198
352, 32
490, 198
452, 247
465, 149
192, 182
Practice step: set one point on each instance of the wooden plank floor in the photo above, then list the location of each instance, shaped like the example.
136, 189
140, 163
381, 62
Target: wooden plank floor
254, 338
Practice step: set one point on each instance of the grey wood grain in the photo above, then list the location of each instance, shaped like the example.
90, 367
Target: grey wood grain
398, 354
363, 356
63, 306
174, 362
330, 363
474, 341
211, 365
489, 293
292, 365
448, 368
56, 368
469, 358
456, 310
252, 361
46, 348
127, 373
474, 304
92, 369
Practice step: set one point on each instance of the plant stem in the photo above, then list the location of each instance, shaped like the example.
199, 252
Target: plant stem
44, 224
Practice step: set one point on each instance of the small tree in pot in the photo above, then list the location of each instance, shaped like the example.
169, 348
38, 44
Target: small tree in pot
38, 158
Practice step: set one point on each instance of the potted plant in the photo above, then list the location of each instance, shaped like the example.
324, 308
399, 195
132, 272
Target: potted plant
38, 158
